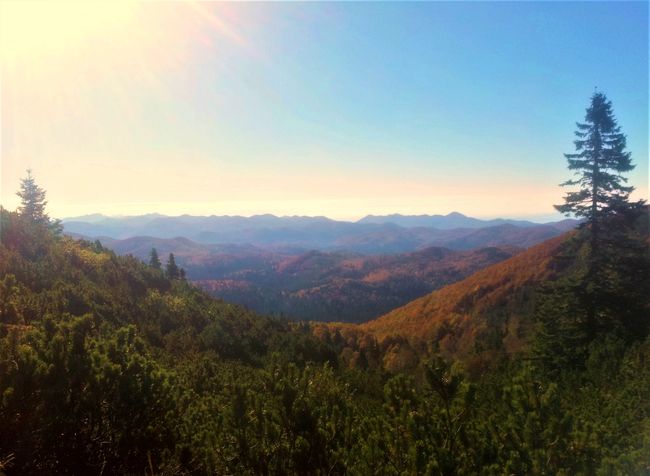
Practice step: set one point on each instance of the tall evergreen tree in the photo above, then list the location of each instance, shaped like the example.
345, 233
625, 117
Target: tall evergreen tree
172, 268
32, 198
599, 160
153, 259
606, 292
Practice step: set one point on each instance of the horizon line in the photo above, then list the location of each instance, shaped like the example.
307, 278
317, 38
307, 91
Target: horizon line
538, 219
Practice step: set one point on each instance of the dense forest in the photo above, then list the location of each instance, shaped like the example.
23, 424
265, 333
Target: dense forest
109, 365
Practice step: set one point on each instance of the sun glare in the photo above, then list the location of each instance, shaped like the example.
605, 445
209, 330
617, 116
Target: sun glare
33, 31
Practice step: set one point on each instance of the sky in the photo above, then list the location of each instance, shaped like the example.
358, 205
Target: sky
335, 109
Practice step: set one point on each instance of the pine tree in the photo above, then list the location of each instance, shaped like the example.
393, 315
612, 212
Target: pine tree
32, 199
172, 269
154, 261
599, 161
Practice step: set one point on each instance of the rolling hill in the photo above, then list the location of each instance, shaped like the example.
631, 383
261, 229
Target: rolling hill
485, 312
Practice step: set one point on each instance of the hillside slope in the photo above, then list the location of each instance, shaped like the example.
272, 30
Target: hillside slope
485, 311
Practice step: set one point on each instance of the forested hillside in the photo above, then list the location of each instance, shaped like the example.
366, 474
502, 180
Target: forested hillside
490, 311
106, 365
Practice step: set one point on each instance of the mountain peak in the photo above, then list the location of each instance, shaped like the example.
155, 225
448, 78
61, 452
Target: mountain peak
91, 218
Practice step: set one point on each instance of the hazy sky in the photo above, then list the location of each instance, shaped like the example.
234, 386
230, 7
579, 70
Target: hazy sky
337, 109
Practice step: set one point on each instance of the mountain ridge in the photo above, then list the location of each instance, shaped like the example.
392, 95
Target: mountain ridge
269, 231
441, 222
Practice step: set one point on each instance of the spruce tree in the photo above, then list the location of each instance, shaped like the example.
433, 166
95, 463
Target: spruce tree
605, 292
154, 261
172, 268
599, 160
32, 198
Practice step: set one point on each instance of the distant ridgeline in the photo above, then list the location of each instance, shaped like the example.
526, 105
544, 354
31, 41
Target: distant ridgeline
109, 366
370, 235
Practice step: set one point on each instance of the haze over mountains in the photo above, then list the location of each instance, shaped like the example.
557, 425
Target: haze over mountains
370, 235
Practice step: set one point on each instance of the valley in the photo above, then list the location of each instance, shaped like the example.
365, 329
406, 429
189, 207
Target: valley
357, 271
339, 286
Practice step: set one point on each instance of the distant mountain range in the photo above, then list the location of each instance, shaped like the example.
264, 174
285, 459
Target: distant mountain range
370, 235
441, 222
316, 268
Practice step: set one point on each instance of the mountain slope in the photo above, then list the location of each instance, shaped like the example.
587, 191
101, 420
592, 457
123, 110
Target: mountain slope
479, 312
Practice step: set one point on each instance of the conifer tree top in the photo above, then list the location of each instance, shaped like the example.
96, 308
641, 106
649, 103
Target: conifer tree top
32, 199
599, 160
154, 260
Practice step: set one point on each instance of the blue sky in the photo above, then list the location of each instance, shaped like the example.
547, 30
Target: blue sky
337, 109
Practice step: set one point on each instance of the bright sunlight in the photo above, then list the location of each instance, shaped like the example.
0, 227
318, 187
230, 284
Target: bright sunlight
39, 30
